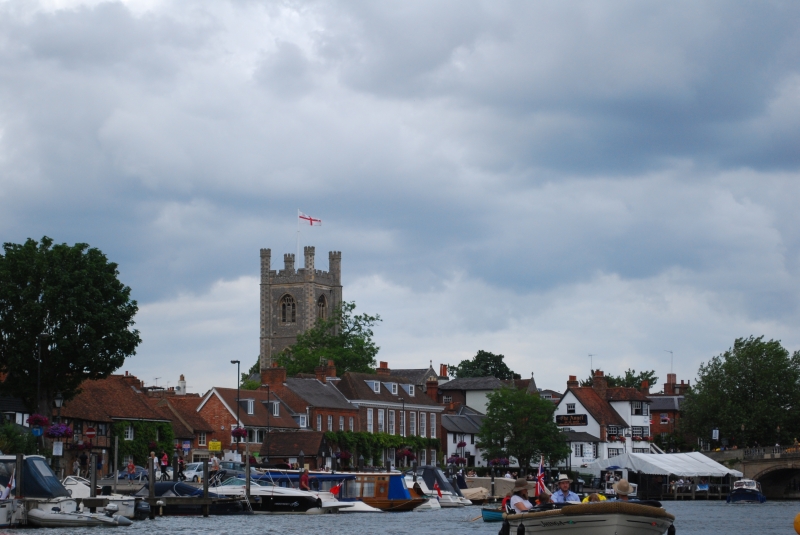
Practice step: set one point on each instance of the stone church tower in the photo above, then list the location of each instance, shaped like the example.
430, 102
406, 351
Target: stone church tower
292, 299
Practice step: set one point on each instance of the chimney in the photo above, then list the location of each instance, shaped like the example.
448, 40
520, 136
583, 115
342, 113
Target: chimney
383, 369
330, 370
181, 390
669, 386
432, 388
443, 370
573, 382
319, 373
645, 388
273, 376
600, 384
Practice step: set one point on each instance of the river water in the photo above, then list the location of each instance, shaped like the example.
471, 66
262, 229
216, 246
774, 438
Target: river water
698, 517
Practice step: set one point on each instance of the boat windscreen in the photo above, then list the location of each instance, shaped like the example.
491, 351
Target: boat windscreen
38, 480
433, 475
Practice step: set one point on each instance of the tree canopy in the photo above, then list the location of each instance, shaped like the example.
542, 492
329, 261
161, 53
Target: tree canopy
71, 295
520, 425
484, 364
344, 337
747, 392
630, 379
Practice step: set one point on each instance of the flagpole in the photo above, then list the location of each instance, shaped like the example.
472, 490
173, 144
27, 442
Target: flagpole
297, 258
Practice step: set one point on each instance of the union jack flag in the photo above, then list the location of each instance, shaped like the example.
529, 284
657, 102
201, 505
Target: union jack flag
540, 488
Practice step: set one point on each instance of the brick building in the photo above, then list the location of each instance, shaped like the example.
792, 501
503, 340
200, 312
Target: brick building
293, 299
187, 425
666, 408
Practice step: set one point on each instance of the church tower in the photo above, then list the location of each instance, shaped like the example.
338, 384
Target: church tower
292, 299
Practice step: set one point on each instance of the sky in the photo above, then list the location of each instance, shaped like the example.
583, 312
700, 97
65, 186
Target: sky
547, 180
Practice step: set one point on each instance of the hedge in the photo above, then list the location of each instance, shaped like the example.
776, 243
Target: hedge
370, 445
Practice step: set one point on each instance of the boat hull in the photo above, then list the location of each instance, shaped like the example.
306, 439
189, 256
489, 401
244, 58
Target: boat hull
492, 515
605, 518
746, 496
45, 519
386, 504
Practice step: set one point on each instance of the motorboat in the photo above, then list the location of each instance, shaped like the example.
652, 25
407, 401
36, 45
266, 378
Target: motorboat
64, 513
440, 486
611, 517
386, 491
492, 514
79, 487
327, 486
746, 491
179, 489
266, 497
418, 489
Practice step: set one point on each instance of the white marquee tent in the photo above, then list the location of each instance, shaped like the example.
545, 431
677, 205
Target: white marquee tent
693, 464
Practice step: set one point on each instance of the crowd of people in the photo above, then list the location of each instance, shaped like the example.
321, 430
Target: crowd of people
518, 500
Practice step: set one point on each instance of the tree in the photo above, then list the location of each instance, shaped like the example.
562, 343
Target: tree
71, 296
484, 364
748, 393
631, 379
248, 384
344, 337
521, 425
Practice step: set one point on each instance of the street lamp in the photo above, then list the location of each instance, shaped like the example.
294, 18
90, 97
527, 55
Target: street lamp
238, 403
59, 400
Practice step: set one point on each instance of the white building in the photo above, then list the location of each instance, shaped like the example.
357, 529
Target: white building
462, 436
619, 418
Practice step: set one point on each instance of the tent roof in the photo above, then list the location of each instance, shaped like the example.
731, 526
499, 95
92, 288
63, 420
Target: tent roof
693, 464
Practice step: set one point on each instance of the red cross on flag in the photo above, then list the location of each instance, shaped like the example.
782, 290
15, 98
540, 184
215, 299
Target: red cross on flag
308, 220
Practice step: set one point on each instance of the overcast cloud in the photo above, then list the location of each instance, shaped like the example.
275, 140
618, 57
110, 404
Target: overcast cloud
539, 179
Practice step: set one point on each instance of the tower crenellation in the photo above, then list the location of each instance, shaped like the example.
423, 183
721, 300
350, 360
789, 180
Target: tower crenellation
293, 299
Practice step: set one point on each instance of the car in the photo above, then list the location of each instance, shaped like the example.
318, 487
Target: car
194, 472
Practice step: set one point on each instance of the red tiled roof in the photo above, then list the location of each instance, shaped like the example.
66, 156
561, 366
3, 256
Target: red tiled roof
186, 407
620, 393
108, 399
354, 387
178, 429
599, 408
259, 416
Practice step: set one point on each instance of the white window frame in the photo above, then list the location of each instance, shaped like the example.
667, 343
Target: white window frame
423, 424
129, 432
433, 425
376, 387
202, 438
341, 423
636, 406
251, 406
447, 399
276, 408
423, 457
369, 421
319, 422
570, 408
391, 423
352, 424
381, 422
402, 423
303, 420
412, 424
645, 409
410, 390
330, 422
394, 389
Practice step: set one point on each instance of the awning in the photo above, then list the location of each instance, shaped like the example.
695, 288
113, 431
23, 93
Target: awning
693, 464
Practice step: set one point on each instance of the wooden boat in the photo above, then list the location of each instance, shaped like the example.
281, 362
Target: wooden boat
386, 491
597, 518
746, 491
491, 514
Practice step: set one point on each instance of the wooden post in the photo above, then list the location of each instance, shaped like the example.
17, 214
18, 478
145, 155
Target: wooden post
19, 475
247, 470
205, 488
116, 464
175, 466
151, 476
93, 475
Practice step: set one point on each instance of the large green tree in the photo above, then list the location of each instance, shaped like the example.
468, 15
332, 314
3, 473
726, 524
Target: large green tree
521, 425
344, 337
630, 379
484, 364
747, 392
69, 300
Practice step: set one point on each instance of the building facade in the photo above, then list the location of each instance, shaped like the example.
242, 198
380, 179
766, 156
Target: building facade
293, 299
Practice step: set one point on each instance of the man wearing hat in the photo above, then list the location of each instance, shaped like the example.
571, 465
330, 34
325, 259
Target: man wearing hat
622, 488
519, 501
563, 494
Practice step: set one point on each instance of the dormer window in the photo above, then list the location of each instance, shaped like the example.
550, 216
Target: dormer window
376, 387
410, 390
636, 407
276, 408
250, 406
394, 389
302, 422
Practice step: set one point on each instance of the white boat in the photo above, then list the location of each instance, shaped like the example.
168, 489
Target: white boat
64, 513
428, 476
418, 487
268, 498
598, 518
79, 487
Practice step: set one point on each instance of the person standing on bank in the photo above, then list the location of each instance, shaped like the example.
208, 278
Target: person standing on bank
519, 502
563, 494
622, 488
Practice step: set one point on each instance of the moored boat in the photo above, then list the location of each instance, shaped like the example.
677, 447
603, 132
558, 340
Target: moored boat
746, 491
597, 518
439, 485
79, 487
492, 514
327, 486
266, 497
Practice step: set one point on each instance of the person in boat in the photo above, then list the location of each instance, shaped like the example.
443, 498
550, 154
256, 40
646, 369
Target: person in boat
622, 488
544, 497
504, 503
519, 502
304, 480
563, 494
594, 497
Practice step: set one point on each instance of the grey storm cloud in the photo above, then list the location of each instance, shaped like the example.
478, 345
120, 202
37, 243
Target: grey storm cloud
621, 164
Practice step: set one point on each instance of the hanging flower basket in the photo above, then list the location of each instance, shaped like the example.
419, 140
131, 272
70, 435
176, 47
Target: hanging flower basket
406, 454
58, 431
499, 462
38, 420
343, 455
153, 445
612, 438
239, 432
461, 444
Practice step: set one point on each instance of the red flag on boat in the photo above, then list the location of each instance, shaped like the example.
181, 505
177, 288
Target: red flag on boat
436, 488
335, 489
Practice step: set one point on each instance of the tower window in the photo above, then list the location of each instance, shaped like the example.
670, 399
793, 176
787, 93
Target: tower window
288, 309
322, 308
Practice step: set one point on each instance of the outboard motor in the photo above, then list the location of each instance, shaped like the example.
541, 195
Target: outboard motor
142, 510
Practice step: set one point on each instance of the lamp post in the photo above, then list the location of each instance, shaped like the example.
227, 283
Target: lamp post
269, 413
59, 400
41, 337
238, 403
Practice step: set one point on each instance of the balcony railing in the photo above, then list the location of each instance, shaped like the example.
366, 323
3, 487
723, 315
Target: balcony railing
772, 452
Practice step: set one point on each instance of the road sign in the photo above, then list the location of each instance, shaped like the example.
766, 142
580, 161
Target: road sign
214, 445
90, 432
37, 431
58, 449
